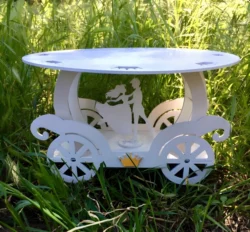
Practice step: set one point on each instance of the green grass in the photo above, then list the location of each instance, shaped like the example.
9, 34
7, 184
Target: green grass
33, 199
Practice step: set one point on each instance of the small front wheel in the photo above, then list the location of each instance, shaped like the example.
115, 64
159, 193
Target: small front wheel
187, 159
75, 157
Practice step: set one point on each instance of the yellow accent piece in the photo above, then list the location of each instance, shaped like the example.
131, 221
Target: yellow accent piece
130, 161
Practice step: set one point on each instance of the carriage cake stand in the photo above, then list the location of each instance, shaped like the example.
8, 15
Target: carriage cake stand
90, 132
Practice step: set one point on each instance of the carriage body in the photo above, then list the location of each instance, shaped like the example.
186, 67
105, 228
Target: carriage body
178, 149
85, 138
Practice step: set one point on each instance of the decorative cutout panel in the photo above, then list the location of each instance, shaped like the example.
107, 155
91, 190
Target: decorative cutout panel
120, 116
170, 139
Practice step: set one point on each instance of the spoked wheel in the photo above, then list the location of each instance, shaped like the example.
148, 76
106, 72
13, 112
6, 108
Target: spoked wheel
75, 157
187, 159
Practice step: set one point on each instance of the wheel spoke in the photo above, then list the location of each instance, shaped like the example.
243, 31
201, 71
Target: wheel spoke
75, 178
176, 169
82, 150
86, 159
168, 123
72, 147
94, 122
176, 152
186, 171
203, 161
74, 170
197, 152
63, 151
188, 145
173, 161
83, 168
63, 169
57, 159
194, 167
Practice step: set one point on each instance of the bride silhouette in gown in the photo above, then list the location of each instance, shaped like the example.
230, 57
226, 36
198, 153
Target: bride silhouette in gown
118, 116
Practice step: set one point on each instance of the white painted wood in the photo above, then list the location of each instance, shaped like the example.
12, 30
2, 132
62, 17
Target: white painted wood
138, 109
113, 139
79, 144
186, 109
197, 92
66, 103
132, 60
88, 109
96, 118
63, 84
85, 103
107, 142
73, 100
198, 128
74, 152
61, 127
164, 120
184, 156
162, 109
105, 147
119, 116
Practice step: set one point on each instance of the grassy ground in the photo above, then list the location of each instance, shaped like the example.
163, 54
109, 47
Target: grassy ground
32, 199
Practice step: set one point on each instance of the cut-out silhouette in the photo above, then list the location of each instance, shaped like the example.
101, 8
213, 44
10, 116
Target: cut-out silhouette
119, 116
138, 109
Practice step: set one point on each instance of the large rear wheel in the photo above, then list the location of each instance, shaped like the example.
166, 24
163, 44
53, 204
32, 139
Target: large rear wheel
188, 159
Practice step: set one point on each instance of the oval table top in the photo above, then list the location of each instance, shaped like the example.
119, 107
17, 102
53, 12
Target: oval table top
132, 60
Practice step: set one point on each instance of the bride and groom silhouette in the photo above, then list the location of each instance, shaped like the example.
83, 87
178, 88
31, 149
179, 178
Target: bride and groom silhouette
119, 116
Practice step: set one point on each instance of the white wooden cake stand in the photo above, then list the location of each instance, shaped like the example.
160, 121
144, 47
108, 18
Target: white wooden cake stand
91, 132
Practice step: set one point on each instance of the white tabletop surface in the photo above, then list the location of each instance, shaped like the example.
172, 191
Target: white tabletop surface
132, 60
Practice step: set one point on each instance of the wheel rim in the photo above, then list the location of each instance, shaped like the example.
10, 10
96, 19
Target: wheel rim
74, 157
187, 158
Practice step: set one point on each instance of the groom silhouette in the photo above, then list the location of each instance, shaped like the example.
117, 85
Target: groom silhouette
138, 109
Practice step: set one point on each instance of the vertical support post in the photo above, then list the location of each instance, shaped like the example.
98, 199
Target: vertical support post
66, 102
186, 110
73, 99
195, 102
